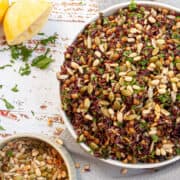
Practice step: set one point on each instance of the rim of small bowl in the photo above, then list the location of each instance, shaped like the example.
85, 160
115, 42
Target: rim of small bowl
69, 126
59, 148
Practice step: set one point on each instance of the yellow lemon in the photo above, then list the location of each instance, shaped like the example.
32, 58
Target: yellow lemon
24, 19
4, 4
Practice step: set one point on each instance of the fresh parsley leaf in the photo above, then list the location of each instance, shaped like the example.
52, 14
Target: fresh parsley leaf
178, 151
33, 113
15, 52
1, 86
15, 88
7, 65
21, 51
51, 39
9, 153
178, 97
1, 128
143, 63
101, 70
126, 53
175, 36
25, 70
26, 53
42, 61
130, 59
105, 20
132, 5
41, 34
143, 125
117, 69
7, 104
165, 98
155, 138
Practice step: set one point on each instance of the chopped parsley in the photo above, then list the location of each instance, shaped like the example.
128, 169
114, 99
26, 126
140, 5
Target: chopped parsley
178, 97
101, 70
9, 153
7, 65
105, 20
1, 128
132, 5
143, 63
7, 104
49, 40
165, 98
175, 36
126, 53
155, 138
15, 88
130, 59
33, 113
117, 69
143, 125
25, 70
178, 151
41, 34
42, 61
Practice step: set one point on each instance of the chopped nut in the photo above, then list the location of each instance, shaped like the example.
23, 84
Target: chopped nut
50, 122
86, 168
77, 165
151, 19
124, 171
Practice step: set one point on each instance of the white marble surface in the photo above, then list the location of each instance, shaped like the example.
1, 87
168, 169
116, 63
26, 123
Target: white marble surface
41, 88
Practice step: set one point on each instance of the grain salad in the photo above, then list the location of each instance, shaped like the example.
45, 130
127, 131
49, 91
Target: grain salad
120, 85
30, 159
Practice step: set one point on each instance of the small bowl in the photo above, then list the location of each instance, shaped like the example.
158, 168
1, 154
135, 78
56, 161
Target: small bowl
60, 149
69, 126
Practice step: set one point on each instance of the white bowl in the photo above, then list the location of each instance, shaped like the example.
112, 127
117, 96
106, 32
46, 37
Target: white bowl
107, 12
59, 148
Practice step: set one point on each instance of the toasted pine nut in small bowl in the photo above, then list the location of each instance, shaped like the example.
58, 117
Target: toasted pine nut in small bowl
26, 156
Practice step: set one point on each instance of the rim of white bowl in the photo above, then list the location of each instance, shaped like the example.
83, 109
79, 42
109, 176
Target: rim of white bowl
59, 148
69, 126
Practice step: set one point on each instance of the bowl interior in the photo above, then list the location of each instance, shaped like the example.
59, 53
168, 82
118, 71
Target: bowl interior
60, 149
107, 12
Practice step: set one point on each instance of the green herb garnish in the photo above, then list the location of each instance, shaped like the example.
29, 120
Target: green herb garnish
7, 104
51, 39
101, 70
9, 153
42, 61
155, 138
25, 70
117, 70
41, 34
15, 88
105, 20
32, 112
165, 98
143, 125
7, 65
178, 151
130, 59
1, 86
2, 129
132, 5
143, 63
178, 97
126, 53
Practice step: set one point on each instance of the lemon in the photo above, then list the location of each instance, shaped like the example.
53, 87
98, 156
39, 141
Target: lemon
24, 19
4, 4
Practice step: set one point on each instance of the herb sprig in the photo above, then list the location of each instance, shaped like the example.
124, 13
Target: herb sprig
7, 104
